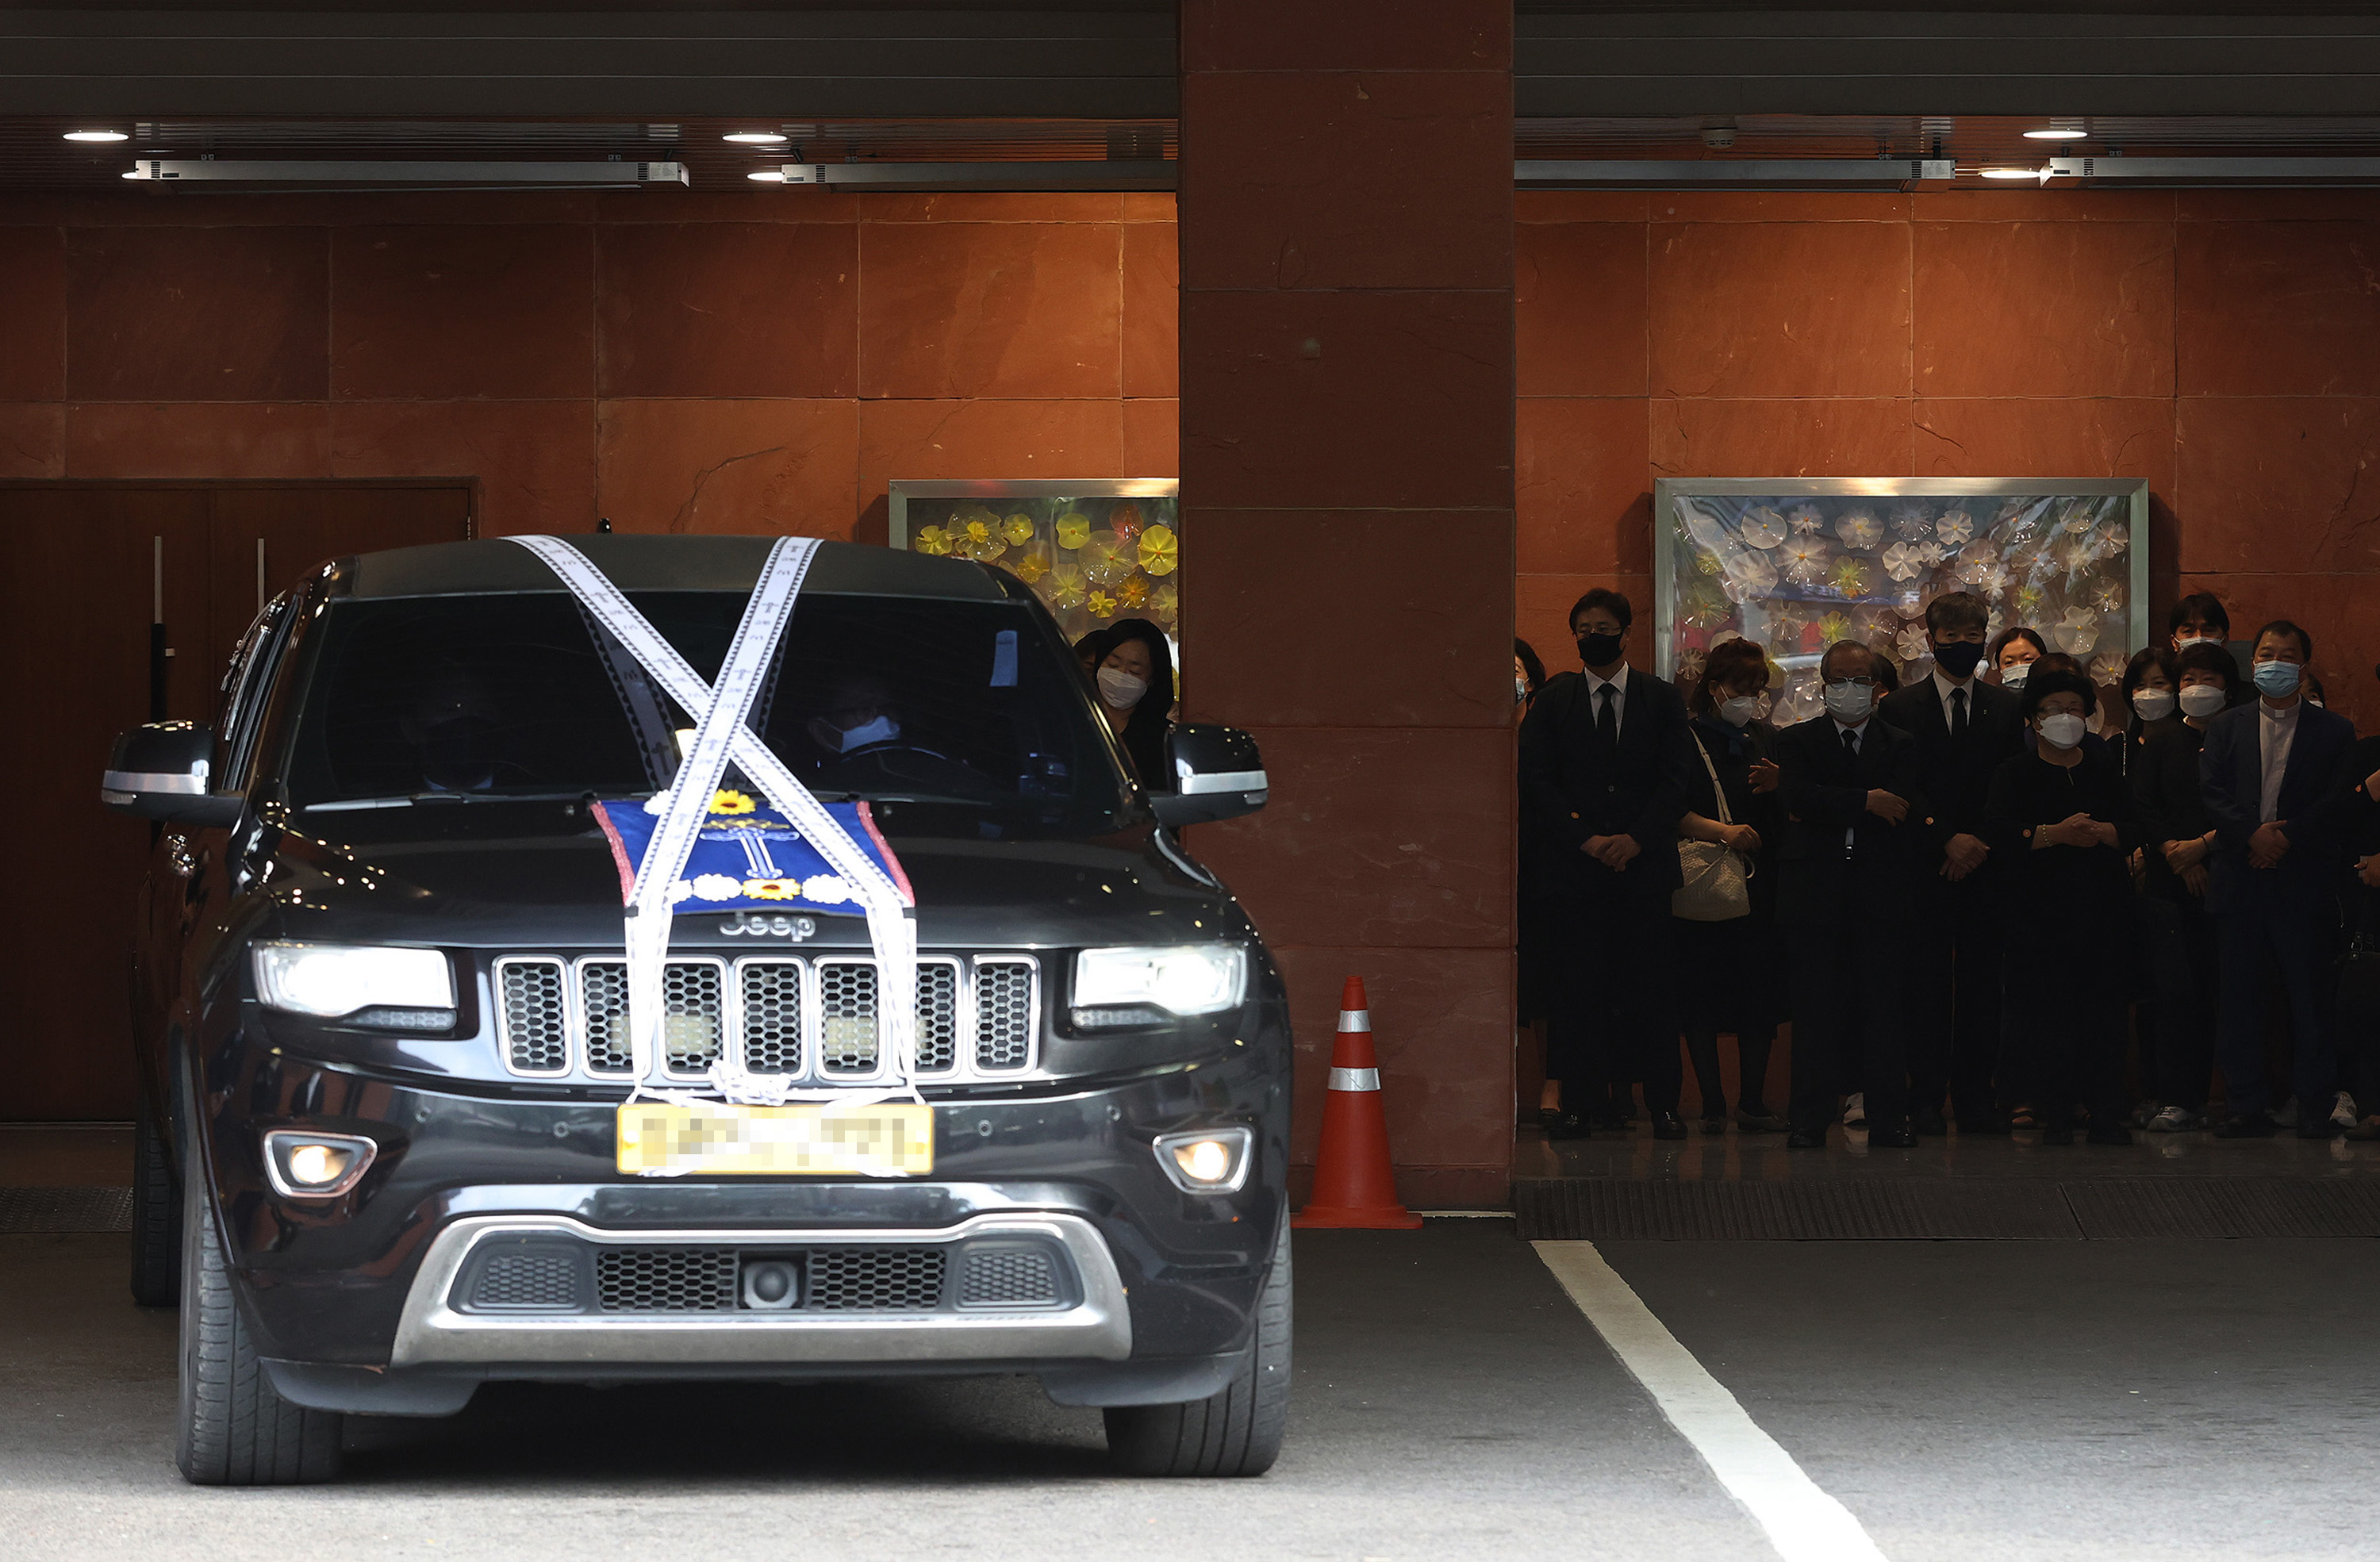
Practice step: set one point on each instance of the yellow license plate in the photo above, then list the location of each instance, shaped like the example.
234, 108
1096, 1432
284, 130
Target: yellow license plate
884, 1140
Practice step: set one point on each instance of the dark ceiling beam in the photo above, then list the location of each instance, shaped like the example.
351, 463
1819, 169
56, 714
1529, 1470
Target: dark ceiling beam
1785, 60
888, 63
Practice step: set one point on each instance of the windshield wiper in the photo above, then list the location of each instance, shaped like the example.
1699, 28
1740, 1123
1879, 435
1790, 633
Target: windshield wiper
407, 800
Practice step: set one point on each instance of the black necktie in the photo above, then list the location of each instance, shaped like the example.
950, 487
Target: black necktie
1851, 745
1957, 715
1606, 721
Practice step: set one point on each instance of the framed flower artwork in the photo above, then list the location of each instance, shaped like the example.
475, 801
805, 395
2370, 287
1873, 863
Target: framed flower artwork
1093, 550
1798, 564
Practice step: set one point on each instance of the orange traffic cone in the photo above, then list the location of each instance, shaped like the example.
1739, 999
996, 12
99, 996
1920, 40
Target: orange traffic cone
1353, 1186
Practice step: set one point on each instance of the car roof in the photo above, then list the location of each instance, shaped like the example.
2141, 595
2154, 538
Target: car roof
492, 566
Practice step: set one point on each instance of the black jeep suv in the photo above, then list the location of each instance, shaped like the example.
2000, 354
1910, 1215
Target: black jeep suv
387, 1148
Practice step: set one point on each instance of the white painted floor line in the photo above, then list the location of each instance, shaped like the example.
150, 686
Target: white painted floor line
1803, 1523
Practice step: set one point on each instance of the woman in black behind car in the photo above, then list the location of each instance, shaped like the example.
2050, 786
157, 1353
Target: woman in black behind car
2177, 834
1729, 969
2061, 818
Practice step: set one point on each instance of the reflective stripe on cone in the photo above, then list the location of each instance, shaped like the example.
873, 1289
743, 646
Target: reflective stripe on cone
1353, 1185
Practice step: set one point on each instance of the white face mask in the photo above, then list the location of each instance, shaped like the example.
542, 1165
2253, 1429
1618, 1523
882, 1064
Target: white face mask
2062, 731
1739, 710
2014, 677
1119, 689
2203, 700
2152, 705
1519, 689
1848, 703
882, 730
2184, 642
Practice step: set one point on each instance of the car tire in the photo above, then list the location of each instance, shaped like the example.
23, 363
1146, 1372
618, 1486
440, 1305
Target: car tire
236, 1430
1237, 1432
156, 1215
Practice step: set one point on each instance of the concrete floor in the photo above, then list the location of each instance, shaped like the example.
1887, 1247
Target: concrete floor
1965, 1400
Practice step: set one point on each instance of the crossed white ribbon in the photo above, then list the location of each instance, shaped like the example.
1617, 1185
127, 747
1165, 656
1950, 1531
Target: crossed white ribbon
723, 733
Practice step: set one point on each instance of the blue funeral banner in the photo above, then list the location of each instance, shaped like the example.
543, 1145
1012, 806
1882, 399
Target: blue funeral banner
750, 856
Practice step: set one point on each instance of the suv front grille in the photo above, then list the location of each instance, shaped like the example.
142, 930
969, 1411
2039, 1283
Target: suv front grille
551, 1273
811, 1018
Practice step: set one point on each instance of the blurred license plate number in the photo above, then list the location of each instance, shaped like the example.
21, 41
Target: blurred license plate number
877, 1140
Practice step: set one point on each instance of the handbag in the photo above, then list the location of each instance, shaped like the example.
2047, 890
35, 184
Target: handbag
1716, 880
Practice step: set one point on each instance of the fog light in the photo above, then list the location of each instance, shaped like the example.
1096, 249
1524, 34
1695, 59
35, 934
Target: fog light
315, 1165
772, 1285
1210, 1160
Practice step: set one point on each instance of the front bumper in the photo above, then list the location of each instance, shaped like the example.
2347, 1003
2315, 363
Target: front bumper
354, 1301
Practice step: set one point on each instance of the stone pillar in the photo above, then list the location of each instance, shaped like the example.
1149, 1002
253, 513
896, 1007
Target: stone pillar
1346, 248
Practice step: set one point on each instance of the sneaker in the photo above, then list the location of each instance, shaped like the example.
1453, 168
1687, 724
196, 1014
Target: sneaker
2174, 1119
2342, 1114
2285, 1114
1855, 1110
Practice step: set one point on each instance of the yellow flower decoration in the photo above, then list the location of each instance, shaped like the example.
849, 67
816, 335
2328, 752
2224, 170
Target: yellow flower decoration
1134, 592
1032, 567
932, 540
1101, 604
1160, 553
1064, 590
1852, 577
978, 531
774, 888
1073, 530
1835, 626
1017, 529
732, 802
1107, 557
1165, 602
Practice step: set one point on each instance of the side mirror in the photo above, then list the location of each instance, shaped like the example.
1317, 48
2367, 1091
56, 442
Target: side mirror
160, 771
1218, 774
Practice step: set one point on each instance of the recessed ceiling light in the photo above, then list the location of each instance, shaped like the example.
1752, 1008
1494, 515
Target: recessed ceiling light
753, 138
97, 136
2010, 172
129, 173
2057, 133
768, 176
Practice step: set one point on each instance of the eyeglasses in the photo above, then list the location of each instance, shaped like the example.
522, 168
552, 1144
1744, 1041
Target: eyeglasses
1856, 682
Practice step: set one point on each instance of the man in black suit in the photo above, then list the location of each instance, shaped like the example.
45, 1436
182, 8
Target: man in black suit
1604, 771
1965, 728
1855, 817
2267, 769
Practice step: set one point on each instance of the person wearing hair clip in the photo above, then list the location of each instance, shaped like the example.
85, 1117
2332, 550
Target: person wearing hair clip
2062, 821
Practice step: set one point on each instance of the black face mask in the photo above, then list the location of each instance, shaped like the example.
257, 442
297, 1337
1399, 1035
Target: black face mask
1958, 657
1598, 650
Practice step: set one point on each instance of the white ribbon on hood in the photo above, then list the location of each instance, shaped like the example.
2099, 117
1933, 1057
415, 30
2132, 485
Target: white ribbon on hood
724, 733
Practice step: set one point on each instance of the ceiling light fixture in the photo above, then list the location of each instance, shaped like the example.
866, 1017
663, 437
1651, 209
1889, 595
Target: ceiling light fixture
768, 176
753, 138
97, 136
2057, 133
2035, 174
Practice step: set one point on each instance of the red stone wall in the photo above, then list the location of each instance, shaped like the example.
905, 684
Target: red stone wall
2224, 344
676, 362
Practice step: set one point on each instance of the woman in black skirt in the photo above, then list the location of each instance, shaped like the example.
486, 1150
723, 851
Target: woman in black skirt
1729, 975
2062, 821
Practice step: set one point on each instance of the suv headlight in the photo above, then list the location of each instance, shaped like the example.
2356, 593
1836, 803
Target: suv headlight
334, 980
1143, 985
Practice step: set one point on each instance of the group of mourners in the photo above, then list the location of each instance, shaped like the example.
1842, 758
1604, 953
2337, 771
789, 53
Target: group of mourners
1969, 895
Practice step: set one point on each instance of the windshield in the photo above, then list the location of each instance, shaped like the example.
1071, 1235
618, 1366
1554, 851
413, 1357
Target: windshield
956, 716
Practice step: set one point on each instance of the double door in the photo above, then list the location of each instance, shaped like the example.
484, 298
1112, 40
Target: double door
96, 581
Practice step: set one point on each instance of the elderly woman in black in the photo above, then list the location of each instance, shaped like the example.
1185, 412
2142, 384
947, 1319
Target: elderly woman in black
2062, 822
2179, 836
1731, 976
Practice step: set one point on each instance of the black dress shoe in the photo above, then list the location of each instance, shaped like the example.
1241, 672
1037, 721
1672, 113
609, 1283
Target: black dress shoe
1929, 1124
1669, 1125
1567, 1125
2247, 1125
1805, 1139
1891, 1139
1549, 1118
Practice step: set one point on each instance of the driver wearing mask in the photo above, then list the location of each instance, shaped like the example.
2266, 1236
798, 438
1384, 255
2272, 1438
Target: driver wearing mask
868, 750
